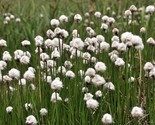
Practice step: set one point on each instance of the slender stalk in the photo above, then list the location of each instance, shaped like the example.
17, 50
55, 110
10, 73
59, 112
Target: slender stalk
39, 73
140, 74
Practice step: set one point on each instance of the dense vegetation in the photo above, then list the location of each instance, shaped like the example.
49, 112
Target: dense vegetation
77, 62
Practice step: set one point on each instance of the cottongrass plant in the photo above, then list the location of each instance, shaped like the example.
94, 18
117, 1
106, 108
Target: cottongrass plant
86, 70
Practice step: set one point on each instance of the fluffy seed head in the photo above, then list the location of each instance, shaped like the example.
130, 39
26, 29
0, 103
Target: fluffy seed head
92, 104
31, 120
137, 112
107, 119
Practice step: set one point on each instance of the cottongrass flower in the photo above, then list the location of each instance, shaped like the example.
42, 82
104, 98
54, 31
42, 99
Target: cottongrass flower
115, 31
127, 13
104, 46
50, 33
49, 79
151, 41
148, 66
75, 52
6, 56
81, 73
77, 43
9, 109
115, 44
92, 104
62, 33
133, 8
113, 57
119, 62
55, 97
31, 120
131, 79
61, 69
54, 22
27, 53
63, 19
24, 60
107, 119
97, 14
7, 18
14, 73
51, 63
56, 84
137, 42
70, 74
90, 72
85, 90
109, 85
137, 112
86, 56
12, 89
66, 100
5, 22
18, 54
44, 56
93, 59
143, 30
115, 38
3, 43
100, 67
126, 37
29, 75
111, 21
105, 19
38, 40
33, 87
98, 94
150, 9
18, 20
66, 47
38, 49
77, 18
88, 96
122, 47
87, 79
28, 106
25, 43
32, 69
86, 14
91, 48
100, 38
98, 80
22, 82
6, 78
3, 65
55, 54
68, 64
75, 33
104, 26
43, 111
